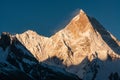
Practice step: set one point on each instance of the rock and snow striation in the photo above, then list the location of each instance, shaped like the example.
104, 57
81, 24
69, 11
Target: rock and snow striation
84, 47
18, 63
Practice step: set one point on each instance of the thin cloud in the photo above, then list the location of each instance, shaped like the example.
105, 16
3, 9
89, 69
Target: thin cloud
66, 21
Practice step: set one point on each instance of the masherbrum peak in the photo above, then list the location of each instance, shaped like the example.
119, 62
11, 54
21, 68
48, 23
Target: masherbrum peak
84, 47
81, 41
79, 24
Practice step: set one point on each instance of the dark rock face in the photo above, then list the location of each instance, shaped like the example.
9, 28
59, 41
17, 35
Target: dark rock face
114, 76
5, 40
45, 72
9, 72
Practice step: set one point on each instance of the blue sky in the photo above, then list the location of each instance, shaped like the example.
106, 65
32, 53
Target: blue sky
47, 16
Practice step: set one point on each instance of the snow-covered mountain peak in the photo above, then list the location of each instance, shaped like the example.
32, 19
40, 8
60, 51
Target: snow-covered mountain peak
79, 24
18, 63
84, 47
82, 12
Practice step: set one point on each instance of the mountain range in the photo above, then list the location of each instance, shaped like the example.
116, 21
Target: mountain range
82, 50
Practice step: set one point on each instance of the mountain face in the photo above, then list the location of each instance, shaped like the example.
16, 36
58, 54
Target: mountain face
84, 49
18, 63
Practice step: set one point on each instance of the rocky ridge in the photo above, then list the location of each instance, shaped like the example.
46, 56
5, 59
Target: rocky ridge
18, 63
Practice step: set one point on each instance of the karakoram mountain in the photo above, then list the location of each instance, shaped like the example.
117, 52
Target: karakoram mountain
83, 50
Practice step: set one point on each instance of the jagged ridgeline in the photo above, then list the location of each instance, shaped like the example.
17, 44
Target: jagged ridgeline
84, 49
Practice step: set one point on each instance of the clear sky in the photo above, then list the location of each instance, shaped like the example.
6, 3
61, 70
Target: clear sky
47, 16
